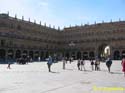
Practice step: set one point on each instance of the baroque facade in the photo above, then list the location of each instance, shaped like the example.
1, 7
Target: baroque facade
23, 38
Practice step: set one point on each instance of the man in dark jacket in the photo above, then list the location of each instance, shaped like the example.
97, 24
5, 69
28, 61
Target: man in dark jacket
108, 64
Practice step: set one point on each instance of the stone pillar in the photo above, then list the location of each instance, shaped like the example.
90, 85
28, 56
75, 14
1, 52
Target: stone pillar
21, 53
6, 54
111, 52
75, 53
96, 52
14, 55
33, 54
81, 54
121, 53
44, 54
70, 53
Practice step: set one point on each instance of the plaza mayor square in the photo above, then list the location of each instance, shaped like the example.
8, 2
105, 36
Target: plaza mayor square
62, 46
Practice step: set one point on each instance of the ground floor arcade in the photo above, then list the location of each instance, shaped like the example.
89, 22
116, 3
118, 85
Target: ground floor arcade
12, 53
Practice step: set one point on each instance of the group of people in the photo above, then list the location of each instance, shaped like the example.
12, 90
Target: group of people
96, 63
109, 63
23, 60
80, 63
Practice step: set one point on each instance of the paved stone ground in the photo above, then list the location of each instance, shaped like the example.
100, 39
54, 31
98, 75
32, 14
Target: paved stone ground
35, 78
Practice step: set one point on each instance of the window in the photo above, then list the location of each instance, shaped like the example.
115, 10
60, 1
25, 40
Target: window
11, 26
10, 42
19, 27
2, 42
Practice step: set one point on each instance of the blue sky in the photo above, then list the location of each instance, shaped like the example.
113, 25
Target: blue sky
65, 12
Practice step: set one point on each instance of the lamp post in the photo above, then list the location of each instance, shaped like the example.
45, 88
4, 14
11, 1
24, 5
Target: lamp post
71, 44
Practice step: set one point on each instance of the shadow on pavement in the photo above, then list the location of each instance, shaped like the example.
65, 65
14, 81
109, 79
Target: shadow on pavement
55, 72
87, 70
116, 73
69, 69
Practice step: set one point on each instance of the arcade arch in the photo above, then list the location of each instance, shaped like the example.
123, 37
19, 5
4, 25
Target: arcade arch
104, 51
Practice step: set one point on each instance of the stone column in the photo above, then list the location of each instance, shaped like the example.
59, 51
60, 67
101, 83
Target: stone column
81, 54
6, 54
96, 52
14, 55
111, 52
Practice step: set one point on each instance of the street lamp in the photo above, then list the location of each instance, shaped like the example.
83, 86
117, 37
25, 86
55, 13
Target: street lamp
71, 44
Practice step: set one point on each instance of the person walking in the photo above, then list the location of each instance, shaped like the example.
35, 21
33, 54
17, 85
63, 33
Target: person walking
49, 63
123, 65
9, 62
78, 64
66, 59
92, 64
64, 62
70, 60
97, 65
108, 64
82, 65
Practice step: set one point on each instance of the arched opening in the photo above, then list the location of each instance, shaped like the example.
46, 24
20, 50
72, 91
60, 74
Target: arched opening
91, 55
36, 55
18, 54
67, 55
31, 54
103, 51
72, 54
47, 54
2, 55
78, 55
123, 53
42, 55
51, 53
116, 55
24, 54
85, 55
10, 54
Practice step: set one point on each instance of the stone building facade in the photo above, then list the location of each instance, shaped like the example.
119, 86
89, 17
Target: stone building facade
91, 40
20, 38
